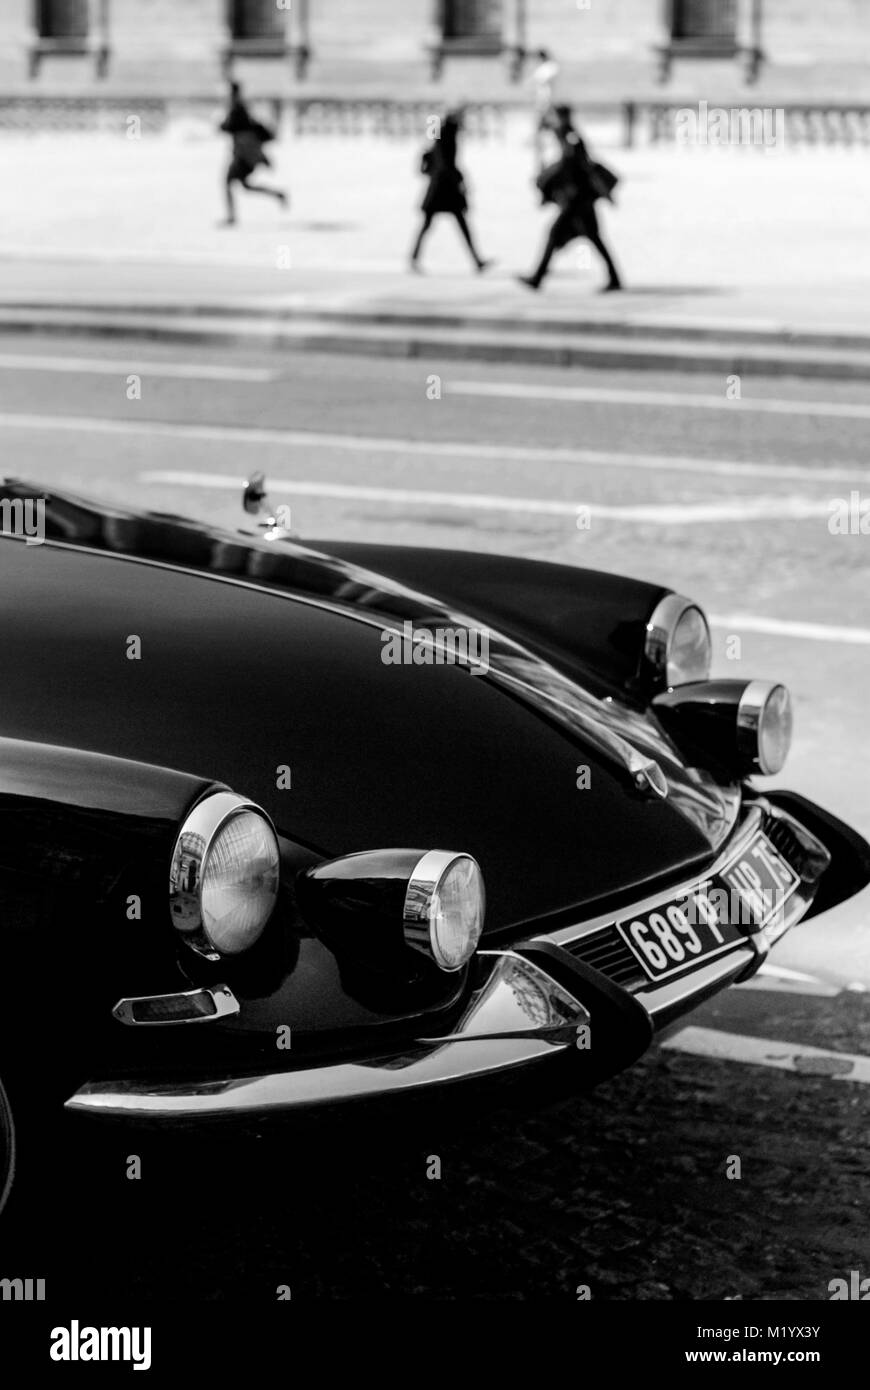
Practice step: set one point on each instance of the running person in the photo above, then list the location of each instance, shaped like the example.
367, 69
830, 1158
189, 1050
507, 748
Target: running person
249, 138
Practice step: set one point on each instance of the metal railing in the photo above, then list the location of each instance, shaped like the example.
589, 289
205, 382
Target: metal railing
397, 119
647, 122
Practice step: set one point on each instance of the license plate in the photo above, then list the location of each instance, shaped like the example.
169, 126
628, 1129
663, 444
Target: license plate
715, 915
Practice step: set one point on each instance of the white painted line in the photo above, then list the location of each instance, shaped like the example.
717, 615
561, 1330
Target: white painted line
774, 983
782, 972
605, 395
762, 1052
418, 448
121, 366
782, 627
660, 514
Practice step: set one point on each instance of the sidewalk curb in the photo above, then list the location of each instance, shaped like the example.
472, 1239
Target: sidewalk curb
358, 334
417, 320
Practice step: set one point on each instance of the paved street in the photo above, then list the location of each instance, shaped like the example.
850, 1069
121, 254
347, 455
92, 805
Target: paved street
725, 499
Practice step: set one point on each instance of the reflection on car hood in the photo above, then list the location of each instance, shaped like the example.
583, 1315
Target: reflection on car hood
648, 829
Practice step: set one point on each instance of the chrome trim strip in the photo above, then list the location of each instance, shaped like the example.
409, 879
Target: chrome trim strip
517, 1014
674, 994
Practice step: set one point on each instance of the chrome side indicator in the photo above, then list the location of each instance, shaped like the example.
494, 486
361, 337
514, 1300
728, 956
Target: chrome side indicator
190, 1006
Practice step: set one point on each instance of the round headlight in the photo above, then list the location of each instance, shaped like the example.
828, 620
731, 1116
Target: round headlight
764, 725
224, 877
677, 648
444, 908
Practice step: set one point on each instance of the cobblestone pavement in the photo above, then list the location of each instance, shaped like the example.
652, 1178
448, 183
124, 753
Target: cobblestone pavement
623, 1190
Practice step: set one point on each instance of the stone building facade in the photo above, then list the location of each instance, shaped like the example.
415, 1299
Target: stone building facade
176, 41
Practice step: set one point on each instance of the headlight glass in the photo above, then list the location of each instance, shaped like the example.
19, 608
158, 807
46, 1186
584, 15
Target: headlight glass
239, 882
690, 649
775, 730
224, 875
456, 915
445, 904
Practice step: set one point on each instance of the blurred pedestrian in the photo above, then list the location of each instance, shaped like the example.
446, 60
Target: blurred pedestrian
543, 81
573, 183
249, 137
446, 190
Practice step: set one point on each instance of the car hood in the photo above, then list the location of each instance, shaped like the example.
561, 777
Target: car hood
266, 670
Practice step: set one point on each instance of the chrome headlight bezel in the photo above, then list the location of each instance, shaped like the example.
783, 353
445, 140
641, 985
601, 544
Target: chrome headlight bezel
659, 661
731, 727
196, 840
423, 930
756, 713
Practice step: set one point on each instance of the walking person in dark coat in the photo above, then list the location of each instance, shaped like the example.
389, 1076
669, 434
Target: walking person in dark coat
573, 184
249, 137
446, 190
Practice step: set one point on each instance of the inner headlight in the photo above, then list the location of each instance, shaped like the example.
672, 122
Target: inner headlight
677, 648
764, 725
224, 876
444, 908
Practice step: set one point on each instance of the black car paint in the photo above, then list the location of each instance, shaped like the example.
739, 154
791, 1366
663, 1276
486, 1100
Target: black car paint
592, 630
257, 657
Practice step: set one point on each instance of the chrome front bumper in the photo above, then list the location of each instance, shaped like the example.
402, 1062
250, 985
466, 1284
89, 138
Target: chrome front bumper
528, 1006
518, 1014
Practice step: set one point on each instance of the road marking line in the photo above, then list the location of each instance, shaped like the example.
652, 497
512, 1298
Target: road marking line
764, 1052
661, 514
120, 366
777, 984
781, 627
605, 395
499, 453
782, 972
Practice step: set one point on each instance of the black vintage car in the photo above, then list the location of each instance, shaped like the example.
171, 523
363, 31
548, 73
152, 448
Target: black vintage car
251, 791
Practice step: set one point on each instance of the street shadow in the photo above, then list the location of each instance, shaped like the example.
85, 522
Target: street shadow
673, 291
327, 226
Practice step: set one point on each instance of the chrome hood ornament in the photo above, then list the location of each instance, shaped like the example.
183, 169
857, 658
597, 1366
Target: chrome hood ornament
274, 525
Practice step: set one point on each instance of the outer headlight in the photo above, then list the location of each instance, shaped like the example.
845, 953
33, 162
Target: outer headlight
677, 647
372, 906
224, 876
764, 725
741, 727
444, 908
